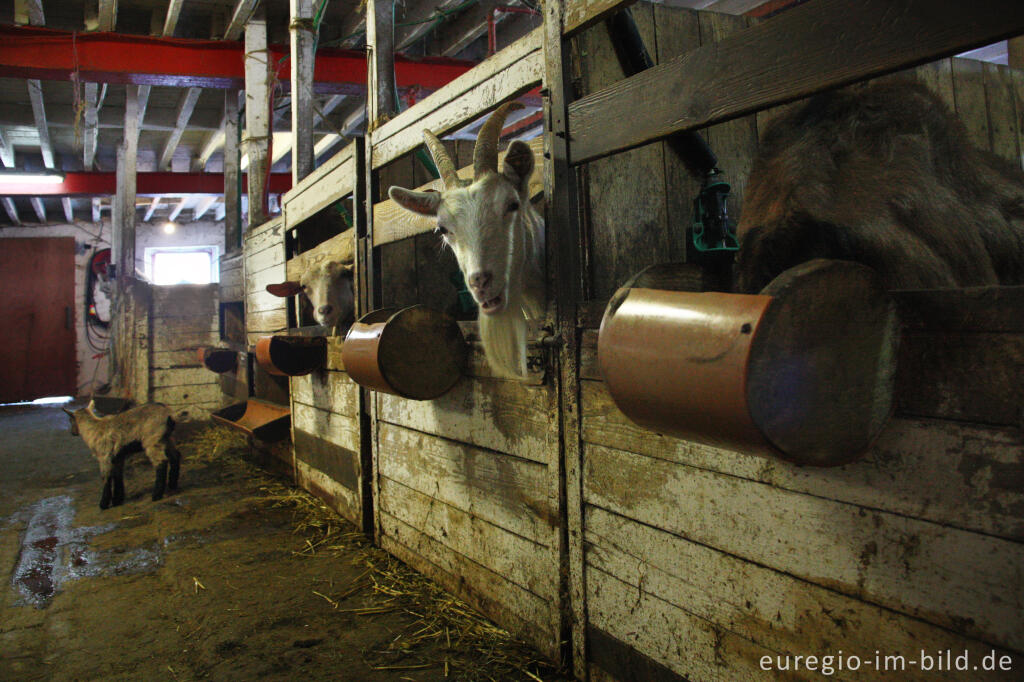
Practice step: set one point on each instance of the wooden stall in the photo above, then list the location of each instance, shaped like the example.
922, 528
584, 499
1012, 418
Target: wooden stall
467, 485
319, 216
691, 562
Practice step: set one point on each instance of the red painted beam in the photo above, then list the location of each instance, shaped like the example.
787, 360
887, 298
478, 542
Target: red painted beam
173, 184
41, 53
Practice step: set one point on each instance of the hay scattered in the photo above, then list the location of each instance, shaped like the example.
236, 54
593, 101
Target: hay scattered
445, 633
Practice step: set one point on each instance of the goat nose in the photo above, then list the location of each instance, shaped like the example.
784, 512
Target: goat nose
325, 309
480, 280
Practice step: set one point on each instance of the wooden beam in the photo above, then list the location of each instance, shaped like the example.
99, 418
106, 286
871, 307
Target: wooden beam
203, 206
69, 210
257, 113
232, 214
214, 141
35, 94
123, 250
153, 205
12, 210
186, 106
171, 20
301, 28
457, 34
239, 18
107, 15
220, 213
417, 16
39, 208
840, 43
178, 208
380, 98
1015, 53
90, 124
325, 144
29, 12
6, 152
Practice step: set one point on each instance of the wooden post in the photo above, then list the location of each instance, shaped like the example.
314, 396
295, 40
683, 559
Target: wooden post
257, 113
232, 215
564, 256
1015, 52
302, 89
380, 93
124, 216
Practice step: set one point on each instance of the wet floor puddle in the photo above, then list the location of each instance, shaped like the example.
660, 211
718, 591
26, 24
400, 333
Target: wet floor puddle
54, 552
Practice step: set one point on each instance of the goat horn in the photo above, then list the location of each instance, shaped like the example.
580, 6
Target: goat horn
485, 153
441, 159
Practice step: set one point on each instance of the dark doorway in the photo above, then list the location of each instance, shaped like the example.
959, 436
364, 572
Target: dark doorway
37, 318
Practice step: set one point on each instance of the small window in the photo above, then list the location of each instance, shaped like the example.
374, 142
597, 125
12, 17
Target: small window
183, 265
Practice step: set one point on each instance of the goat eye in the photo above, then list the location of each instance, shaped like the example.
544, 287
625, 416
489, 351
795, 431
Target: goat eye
514, 206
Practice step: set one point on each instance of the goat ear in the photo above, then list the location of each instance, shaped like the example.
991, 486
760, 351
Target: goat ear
91, 406
518, 165
68, 412
284, 289
424, 203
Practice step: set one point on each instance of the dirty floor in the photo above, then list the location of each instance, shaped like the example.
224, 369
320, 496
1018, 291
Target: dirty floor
217, 581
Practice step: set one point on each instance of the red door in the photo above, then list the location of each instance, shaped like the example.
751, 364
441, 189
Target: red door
37, 331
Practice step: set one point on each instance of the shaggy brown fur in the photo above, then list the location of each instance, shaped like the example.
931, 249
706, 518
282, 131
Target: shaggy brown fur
885, 176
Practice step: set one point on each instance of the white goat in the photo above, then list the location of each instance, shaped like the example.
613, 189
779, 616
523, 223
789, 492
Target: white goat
328, 286
496, 235
146, 428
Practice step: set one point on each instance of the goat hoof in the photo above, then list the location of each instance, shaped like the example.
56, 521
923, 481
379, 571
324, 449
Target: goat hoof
158, 497
104, 505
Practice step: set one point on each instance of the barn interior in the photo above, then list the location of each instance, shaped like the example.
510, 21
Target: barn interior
831, 484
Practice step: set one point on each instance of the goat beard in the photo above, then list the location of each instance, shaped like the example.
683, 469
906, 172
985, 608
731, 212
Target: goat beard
503, 336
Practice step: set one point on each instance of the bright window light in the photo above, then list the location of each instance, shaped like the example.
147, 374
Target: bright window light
56, 400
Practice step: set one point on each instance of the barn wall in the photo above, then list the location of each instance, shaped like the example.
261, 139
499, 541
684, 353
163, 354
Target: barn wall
700, 561
263, 265
91, 372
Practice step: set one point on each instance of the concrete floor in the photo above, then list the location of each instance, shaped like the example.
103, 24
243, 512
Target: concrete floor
208, 583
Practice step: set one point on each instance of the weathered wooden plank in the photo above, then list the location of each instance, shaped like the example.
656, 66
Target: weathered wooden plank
951, 474
506, 491
938, 376
521, 561
756, 68
969, 91
333, 180
391, 222
267, 321
265, 235
1017, 81
506, 603
959, 580
467, 82
184, 297
499, 415
332, 427
514, 81
340, 248
581, 14
207, 323
182, 376
174, 359
260, 261
337, 496
186, 341
671, 636
262, 300
1002, 118
331, 391
938, 76
339, 464
771, 609
197, 394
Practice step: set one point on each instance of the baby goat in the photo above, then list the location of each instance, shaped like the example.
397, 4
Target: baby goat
146, 428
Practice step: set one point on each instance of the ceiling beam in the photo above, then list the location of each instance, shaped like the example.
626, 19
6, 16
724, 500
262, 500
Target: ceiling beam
186, 106
89, 183
39, 208
6, 152
457, 34
151, 209
202, 206
90, 124
107, 14
41, 53
239, 18
12, 210
168, 27
178, 208
220, 212
35, 94
29, 12
326, 143
419, 16
171, 20
69, 211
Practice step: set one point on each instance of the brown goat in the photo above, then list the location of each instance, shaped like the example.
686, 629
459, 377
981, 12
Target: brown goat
884, 176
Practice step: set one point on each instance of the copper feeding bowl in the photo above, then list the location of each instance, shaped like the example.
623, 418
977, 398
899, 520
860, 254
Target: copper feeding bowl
414, 352
291, 355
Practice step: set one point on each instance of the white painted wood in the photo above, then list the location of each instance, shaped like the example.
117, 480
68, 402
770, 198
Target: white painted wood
178, 208
340, 498
39, 208
69, 213
153, 206
950, 577
35, 94
6, 152
334, 180
11, 209
505, 491
339, 248
171, 19
330, 426
97, 216
239, 18
202, 206
330, 391
499, 415
186, 105
257, 112
506, 554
